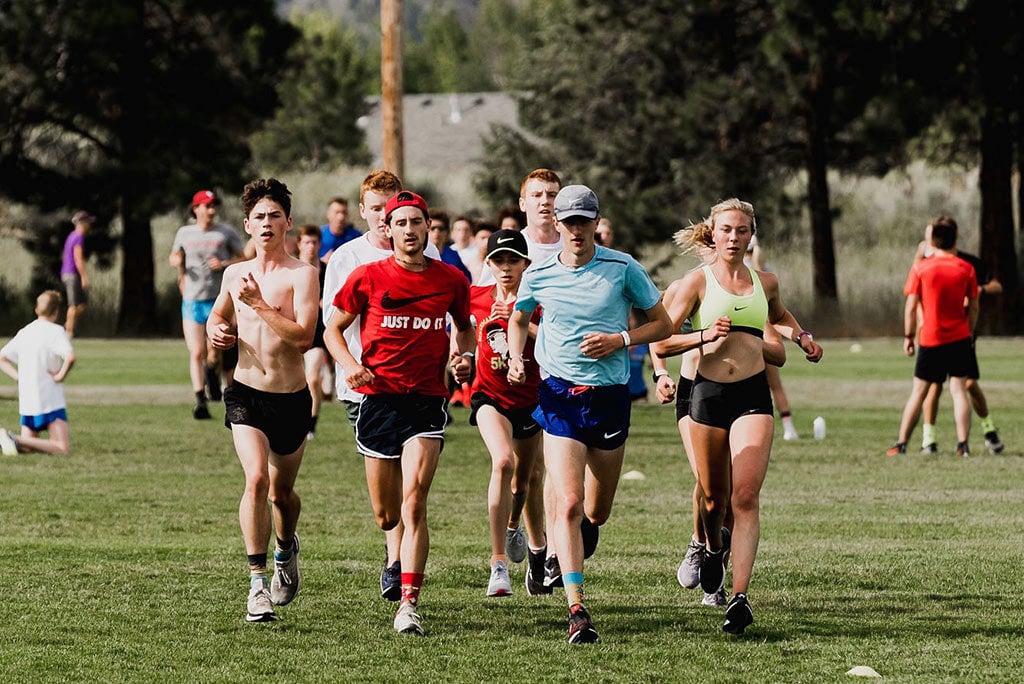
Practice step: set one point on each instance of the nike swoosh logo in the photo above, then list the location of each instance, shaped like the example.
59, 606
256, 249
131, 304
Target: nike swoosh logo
739, 308
387, 302
502, 241
609, 436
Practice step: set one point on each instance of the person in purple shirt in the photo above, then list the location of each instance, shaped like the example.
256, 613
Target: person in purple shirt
72, 269
337, 231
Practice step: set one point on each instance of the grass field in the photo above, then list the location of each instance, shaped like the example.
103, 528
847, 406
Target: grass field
123, 561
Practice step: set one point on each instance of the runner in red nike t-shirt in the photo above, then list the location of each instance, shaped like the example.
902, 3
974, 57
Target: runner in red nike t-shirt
402, 302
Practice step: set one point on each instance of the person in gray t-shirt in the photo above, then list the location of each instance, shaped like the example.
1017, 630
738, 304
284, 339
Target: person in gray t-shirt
201, 251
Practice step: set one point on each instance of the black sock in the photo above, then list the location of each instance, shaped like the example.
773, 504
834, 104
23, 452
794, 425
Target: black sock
285, 545
257, 560
200, 397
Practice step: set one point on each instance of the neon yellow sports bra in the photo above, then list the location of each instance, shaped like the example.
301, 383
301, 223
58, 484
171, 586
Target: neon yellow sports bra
748, 313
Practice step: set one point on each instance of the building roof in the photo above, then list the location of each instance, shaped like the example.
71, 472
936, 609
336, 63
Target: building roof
442, 130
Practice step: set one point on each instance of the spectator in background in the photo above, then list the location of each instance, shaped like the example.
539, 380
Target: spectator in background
481, 234
337, 231
439, 232
605, 235
462, 242
201, 251
72, 269
316, 359
986, 285
44, 356
510, 218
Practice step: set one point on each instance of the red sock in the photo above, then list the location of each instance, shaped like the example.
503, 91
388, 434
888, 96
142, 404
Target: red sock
411, 583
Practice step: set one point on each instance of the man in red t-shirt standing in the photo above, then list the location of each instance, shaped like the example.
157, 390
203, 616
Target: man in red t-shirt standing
940, 284
402, 303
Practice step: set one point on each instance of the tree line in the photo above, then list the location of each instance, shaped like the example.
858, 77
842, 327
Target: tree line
667, 105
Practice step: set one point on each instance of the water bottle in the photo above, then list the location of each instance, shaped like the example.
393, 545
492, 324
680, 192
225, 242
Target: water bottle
819, 428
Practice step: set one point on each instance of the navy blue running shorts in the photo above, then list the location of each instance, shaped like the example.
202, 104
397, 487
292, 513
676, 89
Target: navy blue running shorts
387, 422
595, 416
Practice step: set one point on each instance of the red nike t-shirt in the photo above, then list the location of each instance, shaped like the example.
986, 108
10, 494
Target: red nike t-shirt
942, 283
402, 328
492, 355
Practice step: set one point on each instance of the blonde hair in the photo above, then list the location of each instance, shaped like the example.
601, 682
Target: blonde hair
48, 303
701, 234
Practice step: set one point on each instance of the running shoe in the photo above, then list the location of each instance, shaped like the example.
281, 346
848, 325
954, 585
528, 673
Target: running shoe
929, 449
391, 580
515, 544
712, 569
552, 572
535, 568
581, 629
201, 412
790, 434
407, 621
897, 449
716, 599
738, 616
500, 584
962, 450
259, 607
591, 535
992, 442
286, 580
688, 573
310, 436
7, 444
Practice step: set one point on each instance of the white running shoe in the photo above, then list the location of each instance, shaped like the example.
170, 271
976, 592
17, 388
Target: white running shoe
259, 608
285, 583
500, 584
407, 621
515, 544
790, 434
7, 443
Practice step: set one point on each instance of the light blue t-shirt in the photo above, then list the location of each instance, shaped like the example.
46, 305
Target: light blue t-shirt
595, 297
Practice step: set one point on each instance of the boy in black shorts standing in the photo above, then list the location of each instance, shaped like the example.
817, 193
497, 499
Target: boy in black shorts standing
268, 305
402, 302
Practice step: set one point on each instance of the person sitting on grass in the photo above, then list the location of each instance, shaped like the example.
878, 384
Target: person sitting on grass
36, 350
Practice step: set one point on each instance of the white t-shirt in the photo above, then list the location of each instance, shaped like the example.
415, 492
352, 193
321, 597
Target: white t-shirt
539, 252
36, 346
346, 259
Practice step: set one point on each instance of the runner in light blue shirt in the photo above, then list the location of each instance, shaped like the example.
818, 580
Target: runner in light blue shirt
586, 292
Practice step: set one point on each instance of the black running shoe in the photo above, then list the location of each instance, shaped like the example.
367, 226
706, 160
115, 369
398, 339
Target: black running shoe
712, 568
992, 442
535, 568
591, 534
738, 616
896, 449
201, 412
391, 580
962, 450
581, 629
552, 573
930, 449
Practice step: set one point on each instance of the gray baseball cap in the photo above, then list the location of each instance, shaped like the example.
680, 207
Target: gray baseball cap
576, 200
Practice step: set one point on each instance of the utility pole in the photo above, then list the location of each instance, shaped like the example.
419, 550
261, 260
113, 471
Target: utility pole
391, 85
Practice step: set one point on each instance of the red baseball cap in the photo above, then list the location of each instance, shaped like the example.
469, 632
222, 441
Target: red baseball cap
203, 197
405, 198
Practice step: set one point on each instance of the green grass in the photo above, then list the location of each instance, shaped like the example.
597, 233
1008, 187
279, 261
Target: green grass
123, 561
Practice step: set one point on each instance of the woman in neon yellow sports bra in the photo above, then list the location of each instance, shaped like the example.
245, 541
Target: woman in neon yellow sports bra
731, 416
